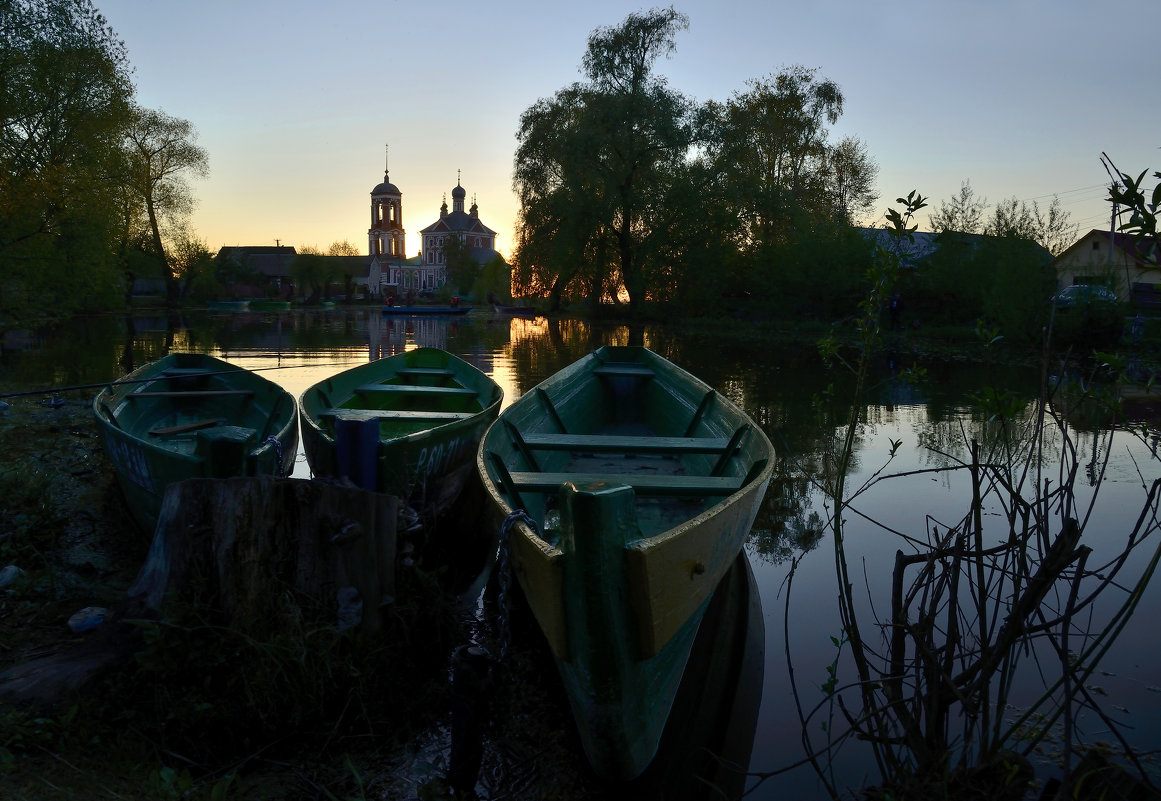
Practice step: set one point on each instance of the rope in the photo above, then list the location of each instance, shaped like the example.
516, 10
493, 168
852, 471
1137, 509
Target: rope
504, 632
277, 443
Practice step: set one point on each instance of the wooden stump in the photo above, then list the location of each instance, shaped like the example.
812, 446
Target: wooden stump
259, 553
244, 546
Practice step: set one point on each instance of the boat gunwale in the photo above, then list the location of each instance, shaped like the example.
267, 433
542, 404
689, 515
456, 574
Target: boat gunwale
650, 638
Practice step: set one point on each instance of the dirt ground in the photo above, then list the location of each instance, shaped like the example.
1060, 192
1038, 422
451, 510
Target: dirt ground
194, 713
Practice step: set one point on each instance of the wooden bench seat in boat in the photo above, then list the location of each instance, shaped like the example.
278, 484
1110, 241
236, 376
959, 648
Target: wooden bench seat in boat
182, 428
392, 414
185, 372
623, 370
645, 484
408, 389
440, 372
191, 393
613, 443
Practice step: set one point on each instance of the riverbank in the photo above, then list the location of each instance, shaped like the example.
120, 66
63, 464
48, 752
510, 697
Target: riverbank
197, 713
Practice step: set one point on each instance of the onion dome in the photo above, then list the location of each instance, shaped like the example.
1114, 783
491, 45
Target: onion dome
386, 188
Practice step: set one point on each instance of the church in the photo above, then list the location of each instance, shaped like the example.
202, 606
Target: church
427, 270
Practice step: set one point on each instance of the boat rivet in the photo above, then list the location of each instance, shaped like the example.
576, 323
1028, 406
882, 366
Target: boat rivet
698, 568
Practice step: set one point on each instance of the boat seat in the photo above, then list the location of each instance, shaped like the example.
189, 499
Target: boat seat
408, 389
392, 414
182, 428
434, 371
193, 393
623, 370
610, 443
645, 484
183, 372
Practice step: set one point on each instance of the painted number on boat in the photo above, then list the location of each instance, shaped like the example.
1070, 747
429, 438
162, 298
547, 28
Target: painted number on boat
438, 458
130, 461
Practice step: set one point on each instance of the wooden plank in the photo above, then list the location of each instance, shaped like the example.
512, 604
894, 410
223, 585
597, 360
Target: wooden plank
185, 372
388, 414
408, 389
609, 443
195, 393
642, 484
623, 371
180, 429
434, 371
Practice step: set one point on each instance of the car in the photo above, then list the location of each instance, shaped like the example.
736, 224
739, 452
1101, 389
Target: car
1083, 294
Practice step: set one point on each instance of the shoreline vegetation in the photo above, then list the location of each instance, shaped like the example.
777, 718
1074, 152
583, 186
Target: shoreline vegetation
155, 728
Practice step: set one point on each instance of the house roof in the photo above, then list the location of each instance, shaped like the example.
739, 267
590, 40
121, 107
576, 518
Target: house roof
1138, 250
265, 259
921, 245
458, 221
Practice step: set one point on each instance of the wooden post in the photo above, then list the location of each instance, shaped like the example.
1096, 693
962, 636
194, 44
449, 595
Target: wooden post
357, 451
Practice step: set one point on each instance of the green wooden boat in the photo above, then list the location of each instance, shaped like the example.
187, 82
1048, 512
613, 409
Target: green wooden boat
643, 483
189, 415
407, 425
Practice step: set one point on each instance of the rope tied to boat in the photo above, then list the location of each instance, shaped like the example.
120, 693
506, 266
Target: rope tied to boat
504, 633
277, 443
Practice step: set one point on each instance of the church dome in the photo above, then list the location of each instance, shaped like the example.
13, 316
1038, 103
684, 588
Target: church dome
386, 188
458, 192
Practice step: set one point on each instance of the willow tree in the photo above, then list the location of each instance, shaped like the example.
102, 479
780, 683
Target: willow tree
162, 151
594, 161
771, 149
65, 93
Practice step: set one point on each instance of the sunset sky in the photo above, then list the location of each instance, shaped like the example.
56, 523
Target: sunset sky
295, 101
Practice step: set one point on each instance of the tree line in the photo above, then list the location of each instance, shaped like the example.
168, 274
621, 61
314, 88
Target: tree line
631, 192
93, 186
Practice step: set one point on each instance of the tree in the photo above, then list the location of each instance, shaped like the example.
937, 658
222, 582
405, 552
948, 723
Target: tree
65, 91
1141, 208
850, 174
593, 161
963, 213
343, 248
462, 269
313, 273
161, 151
191, 259
771, 150
1051, 230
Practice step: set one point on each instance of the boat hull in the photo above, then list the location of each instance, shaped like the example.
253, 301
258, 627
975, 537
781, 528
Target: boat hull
407, 426
643, 484
190, 415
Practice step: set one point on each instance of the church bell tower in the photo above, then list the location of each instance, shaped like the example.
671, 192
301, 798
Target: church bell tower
386, 236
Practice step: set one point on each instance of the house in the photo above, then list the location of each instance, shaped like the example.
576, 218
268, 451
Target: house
1114, 259
269, 268
912, 252
464, 225
270, 271
427, 270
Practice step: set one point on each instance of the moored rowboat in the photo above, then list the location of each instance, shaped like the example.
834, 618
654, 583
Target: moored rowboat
407, 425
642, 483
189, 415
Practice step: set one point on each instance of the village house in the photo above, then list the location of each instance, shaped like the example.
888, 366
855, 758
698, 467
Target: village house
1115, 260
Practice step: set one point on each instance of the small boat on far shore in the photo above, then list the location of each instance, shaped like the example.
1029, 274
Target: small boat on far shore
412, 310
518, 311
270, 305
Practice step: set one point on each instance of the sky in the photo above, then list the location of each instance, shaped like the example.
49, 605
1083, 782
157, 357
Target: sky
299, 104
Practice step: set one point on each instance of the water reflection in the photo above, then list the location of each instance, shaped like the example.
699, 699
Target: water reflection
933, 410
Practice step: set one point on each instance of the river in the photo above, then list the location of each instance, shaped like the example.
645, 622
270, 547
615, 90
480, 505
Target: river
917, 415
